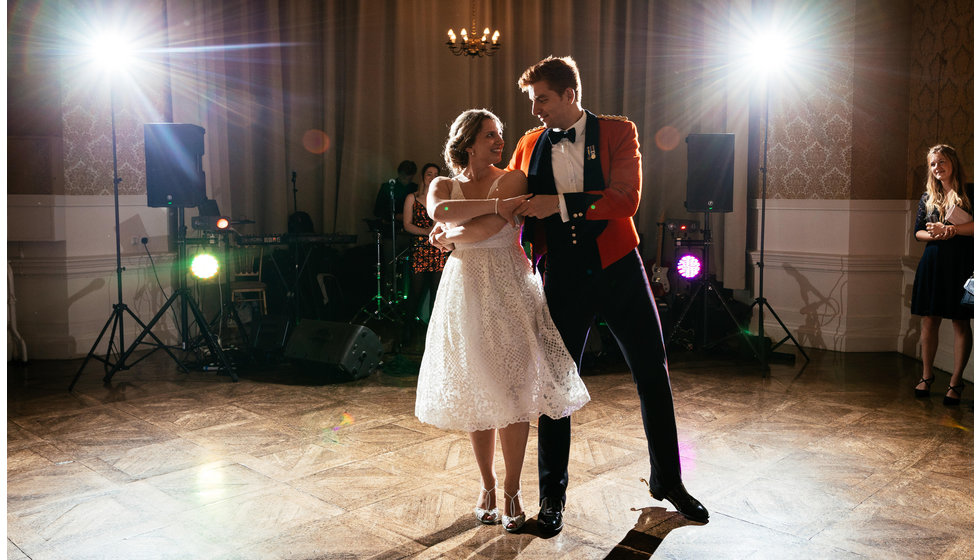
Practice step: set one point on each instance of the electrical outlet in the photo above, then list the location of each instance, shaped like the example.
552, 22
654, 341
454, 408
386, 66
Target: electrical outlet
136, 240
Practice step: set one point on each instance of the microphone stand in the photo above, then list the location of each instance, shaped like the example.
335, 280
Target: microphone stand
295, 190
394, 248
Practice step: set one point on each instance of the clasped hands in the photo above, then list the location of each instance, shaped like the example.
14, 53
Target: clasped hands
939, 231
510, 209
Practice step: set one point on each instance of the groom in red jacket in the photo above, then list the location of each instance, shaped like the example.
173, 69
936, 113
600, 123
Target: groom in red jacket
584, 172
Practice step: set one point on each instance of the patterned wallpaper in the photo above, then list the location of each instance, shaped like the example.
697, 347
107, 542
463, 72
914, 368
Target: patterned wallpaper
941, 85
810, 139
811, 106
137, 91
826, 144
88, 132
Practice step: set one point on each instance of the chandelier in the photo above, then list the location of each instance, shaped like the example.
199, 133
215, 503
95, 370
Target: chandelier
469, 44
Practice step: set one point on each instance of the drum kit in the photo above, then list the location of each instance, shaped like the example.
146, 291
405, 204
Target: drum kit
392, 276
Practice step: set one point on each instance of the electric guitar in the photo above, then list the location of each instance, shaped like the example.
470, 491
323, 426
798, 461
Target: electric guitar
658, 273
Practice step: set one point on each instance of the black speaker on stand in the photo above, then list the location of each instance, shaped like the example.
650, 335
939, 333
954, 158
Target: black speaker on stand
710, 183
710, 172
174, 166
175, 179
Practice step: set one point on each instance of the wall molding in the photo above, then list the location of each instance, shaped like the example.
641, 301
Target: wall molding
83, 267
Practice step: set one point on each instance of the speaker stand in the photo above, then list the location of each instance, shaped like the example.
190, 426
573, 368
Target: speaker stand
182, 294
705, 286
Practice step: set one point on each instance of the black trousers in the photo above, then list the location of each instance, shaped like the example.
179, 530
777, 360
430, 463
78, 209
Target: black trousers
621, 295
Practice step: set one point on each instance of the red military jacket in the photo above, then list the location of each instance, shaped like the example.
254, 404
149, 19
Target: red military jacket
601, 215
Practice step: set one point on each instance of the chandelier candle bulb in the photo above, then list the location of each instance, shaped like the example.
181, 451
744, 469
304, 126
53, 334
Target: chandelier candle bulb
471, 42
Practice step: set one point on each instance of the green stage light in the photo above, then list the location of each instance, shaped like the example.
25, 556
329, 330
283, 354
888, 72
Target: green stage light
204, 266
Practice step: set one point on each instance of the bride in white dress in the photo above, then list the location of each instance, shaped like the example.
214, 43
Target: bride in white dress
493, 358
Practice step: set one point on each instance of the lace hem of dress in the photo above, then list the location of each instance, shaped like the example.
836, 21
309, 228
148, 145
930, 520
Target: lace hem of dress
478, 427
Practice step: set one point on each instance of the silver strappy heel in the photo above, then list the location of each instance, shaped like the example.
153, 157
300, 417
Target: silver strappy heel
484, 515
513, 524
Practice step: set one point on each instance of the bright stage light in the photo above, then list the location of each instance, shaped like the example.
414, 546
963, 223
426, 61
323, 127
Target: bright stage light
689, 267
111, 51
769, 51
204, 266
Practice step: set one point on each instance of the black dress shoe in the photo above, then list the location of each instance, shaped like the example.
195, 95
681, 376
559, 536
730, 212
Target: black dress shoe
549, 518
684, 502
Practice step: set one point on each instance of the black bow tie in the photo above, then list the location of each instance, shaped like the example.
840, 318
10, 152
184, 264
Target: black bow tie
556, 135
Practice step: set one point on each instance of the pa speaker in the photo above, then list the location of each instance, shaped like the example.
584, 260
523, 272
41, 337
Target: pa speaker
338, 349
710, 172
174, 165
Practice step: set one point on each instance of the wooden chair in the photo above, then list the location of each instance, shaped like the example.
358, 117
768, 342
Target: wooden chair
246, 280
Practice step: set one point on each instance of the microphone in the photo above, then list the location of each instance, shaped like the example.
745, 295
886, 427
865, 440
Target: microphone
294, 176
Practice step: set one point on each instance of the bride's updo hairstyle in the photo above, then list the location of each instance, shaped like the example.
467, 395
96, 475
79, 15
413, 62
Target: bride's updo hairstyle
462, 135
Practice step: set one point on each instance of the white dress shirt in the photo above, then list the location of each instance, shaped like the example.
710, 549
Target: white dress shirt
568, 165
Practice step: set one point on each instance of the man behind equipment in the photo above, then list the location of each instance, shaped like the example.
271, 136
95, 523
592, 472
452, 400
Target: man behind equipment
584, 172
403, 187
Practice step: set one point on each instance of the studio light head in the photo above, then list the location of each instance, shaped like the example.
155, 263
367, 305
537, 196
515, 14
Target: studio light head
210, 223
689, 266
110, 51
204, 265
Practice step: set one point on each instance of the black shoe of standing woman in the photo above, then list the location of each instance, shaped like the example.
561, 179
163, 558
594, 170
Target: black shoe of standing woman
922, 393
953, 401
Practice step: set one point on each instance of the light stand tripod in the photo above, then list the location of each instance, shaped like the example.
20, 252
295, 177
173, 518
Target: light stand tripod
119, 309
705, 285
761, 301
183, 294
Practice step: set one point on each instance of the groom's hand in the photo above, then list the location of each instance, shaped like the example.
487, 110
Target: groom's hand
539, 206
507, 207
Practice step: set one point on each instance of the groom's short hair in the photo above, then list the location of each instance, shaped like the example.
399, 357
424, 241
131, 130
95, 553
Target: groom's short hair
560, 73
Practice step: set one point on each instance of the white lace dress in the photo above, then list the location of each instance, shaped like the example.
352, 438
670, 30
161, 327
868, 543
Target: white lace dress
492, 353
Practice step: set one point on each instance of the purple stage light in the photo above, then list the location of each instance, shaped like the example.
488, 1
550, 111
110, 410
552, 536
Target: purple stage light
689, 267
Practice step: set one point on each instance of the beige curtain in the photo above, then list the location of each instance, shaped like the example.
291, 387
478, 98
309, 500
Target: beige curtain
374, 80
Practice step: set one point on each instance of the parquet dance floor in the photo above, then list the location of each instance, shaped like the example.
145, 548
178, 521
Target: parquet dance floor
834, 460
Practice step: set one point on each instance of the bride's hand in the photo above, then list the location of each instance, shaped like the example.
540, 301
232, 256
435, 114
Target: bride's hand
506, 207
437, 237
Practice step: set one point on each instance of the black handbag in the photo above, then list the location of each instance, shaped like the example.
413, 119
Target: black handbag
967, 298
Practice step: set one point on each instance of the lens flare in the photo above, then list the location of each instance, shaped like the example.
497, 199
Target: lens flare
667, 138
346, 420
316, 141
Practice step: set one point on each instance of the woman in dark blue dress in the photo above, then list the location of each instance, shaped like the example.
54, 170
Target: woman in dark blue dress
945, 222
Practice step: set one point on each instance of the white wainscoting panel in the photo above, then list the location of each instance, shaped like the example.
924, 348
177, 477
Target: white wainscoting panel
839, 275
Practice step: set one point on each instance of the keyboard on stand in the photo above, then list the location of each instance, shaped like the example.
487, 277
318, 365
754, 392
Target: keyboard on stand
300, 238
